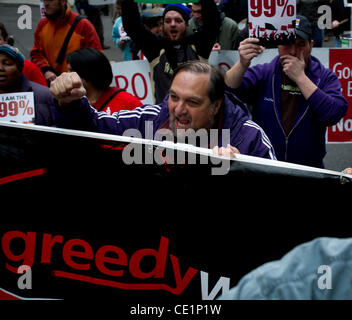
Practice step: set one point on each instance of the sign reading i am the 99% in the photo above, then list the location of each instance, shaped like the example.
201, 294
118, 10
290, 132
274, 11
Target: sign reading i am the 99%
17, 107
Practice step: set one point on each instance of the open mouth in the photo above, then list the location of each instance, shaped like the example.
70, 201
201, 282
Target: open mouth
182, 123
173, 33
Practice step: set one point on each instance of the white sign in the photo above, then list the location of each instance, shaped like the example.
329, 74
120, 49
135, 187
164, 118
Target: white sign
225, 59
17, 107
101, 2
123, 34
134, 77
273, 21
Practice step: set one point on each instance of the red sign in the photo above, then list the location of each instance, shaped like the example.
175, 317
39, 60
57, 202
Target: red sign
341, 64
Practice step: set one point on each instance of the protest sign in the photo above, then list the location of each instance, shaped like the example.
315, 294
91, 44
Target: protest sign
133, 76
223, 59
17, 107
272, 21
341, 64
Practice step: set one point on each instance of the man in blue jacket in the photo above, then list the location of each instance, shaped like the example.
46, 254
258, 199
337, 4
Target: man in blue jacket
197, 100
294, 97
315, 270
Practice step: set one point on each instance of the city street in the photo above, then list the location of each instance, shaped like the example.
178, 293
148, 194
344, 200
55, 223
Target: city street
339, 155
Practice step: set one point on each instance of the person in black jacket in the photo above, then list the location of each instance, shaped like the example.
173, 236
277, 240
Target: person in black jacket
174, 46
340, 19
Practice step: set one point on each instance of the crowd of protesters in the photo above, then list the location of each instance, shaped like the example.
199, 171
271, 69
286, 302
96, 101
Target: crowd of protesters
292, 100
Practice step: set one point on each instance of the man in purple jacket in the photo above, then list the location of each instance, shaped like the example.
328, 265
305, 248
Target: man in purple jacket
294, 97
197, 100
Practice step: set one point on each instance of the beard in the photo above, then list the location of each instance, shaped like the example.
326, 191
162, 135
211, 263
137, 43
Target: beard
181, 133
167, 36
59, 13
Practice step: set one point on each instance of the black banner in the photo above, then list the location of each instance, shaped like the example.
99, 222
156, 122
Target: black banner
214, 228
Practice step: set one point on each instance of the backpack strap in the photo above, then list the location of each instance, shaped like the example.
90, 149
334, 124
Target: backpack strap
62, 53
109, 99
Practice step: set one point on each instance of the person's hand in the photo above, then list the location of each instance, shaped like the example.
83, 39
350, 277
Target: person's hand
122, 43
49, 76
229, 151
216, 47
293, 66
249, 49
67, 87
335, 24
348, 171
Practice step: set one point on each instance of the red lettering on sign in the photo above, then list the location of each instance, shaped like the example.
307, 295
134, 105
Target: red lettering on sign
144, 86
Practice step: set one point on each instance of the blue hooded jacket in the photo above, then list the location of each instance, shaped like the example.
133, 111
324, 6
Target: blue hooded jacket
316, 270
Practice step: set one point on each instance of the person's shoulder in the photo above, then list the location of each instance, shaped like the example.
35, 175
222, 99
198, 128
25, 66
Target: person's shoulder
230, 22
317, 68
233, 104
39, 89
42, 22
126, 95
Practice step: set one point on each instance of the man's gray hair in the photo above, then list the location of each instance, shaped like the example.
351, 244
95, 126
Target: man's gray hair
216, 87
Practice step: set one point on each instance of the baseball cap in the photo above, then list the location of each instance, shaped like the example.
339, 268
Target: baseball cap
303, 27
13, 53
180, 8
152, 13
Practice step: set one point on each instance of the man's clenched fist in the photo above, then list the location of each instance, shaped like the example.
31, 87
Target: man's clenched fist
67, 87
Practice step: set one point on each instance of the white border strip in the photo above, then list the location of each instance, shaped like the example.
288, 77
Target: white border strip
22, 298
171, 145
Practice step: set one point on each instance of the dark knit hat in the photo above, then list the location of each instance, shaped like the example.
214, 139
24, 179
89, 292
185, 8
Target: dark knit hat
180, 8
13, 53
303, 27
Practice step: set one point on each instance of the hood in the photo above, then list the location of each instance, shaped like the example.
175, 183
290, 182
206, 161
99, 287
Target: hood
235, 114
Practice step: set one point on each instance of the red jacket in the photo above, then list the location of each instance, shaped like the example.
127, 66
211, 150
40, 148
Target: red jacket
50, 35
33, 73
122, 101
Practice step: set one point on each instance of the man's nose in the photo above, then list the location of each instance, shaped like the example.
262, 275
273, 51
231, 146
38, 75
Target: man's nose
181, 108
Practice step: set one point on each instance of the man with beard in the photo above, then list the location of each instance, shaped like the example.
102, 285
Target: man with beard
294, 98
50, 35
197, 104
165, 52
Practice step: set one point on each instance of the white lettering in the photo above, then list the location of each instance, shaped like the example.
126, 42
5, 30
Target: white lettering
324, 21
223, 284
325, 281
24, 21
25, 281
